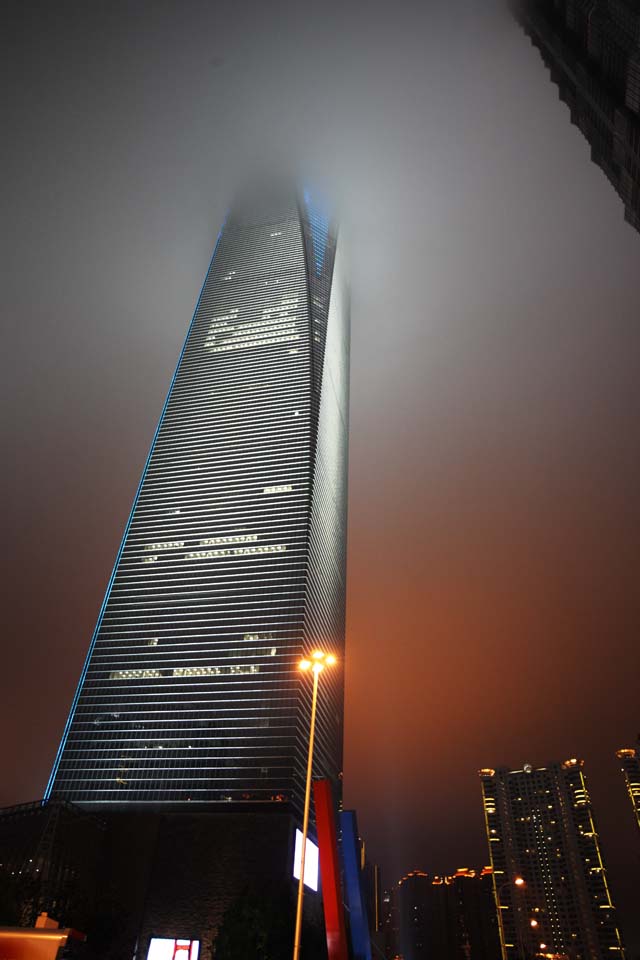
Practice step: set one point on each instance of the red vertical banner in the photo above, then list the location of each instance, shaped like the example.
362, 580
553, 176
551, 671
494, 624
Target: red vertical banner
330, 871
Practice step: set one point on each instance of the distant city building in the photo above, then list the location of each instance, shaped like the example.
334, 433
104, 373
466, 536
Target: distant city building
390, 924
467, 915
413, 910
450, 917
592, 49
630, 764
232, 564
550, 882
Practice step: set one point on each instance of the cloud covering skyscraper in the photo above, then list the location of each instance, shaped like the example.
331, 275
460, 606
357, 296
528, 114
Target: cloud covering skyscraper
232, 563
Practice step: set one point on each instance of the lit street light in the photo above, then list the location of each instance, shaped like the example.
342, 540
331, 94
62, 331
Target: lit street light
319, 660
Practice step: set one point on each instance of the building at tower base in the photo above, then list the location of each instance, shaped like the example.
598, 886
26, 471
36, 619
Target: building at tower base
128, 875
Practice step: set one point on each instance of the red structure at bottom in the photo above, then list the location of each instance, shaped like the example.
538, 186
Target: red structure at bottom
330, 871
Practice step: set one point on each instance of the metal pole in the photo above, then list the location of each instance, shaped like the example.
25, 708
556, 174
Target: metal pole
518, 924
305, 819
516, 909
498, 891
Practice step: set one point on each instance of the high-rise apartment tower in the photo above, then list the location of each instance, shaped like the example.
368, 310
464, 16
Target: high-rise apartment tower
550, 883
232, 563
630, 764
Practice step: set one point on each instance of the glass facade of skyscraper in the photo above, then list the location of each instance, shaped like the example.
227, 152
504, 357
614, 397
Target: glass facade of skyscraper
232, 564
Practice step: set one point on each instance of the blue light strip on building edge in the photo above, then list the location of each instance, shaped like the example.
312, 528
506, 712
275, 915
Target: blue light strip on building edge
124, 537
319, 231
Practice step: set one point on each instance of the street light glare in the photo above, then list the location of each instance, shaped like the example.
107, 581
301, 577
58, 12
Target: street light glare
519, 882
319, 660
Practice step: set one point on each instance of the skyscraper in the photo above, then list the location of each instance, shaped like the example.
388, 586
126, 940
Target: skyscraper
414, 908
447, 916
630, 765
592, 49
542, 834
232, 563
469, 924
390, 923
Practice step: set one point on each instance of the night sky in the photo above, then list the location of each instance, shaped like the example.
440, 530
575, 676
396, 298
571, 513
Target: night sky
493, 604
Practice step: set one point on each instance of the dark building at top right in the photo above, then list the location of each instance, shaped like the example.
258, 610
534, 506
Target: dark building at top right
592, 49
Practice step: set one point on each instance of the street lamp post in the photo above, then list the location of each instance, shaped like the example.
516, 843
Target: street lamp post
319, 660
519, 883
